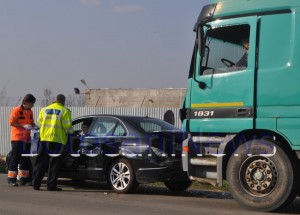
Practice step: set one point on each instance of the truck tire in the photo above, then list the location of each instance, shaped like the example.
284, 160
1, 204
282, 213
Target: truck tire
261, 176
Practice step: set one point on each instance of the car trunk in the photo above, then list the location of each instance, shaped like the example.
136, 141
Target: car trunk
169, 142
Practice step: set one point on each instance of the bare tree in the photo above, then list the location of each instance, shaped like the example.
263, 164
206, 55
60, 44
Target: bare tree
80, 100
48, 98
75, 101
3, 99
71, 100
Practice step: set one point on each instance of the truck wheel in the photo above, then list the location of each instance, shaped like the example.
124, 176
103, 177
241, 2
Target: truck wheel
261, 176
121, 176
178, 185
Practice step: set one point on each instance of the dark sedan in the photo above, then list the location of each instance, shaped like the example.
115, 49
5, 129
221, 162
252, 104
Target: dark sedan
125, 151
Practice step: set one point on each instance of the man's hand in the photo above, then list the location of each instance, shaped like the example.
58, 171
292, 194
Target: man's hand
28, 127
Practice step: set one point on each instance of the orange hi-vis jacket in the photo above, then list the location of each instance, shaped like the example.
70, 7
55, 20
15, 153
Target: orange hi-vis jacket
20, 116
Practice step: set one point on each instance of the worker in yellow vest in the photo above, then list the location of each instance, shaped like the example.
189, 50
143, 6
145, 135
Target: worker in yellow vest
55, 124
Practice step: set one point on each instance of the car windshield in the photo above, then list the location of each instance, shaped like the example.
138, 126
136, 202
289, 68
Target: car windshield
151, 125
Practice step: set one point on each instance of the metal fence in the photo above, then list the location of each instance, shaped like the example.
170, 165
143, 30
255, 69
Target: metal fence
81, 111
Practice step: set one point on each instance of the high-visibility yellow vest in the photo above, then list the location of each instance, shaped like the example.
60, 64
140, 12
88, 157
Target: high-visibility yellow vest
55, 123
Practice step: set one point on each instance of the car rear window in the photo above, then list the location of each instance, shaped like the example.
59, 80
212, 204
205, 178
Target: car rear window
151, 125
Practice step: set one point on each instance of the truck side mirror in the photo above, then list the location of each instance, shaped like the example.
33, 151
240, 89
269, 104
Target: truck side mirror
200, 41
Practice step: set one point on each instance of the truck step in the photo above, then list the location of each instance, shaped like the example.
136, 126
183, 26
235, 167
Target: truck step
203, 161
211, 140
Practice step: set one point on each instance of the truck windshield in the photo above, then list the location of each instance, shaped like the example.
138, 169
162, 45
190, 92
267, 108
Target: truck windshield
225, 49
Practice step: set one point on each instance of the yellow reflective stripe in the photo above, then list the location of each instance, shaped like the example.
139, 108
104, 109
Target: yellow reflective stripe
52, 126
50, 117
225, 104
66, 121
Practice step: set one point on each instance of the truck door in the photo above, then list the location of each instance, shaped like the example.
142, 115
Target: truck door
223, 89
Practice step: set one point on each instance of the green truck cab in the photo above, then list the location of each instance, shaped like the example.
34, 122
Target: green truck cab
242, 104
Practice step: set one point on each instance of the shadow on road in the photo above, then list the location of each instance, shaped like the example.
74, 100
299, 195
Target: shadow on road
94, 186
294, 208
102, 187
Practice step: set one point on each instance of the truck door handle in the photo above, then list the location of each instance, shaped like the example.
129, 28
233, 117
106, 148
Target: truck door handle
246, 112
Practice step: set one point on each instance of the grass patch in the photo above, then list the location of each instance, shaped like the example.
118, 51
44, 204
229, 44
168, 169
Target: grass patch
197, 186
204, 186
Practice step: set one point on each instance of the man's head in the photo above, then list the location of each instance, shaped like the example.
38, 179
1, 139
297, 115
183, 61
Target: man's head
28, 101
85, 127
60, 98
245, 44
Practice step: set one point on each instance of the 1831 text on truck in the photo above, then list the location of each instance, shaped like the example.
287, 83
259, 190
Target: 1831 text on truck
243, 121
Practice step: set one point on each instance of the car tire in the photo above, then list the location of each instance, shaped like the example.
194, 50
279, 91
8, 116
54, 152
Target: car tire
178, 185
259, 179
121, 176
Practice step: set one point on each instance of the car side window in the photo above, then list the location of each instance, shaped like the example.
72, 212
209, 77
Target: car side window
150, 126
77, 125
119, 131
226, 49
103, 127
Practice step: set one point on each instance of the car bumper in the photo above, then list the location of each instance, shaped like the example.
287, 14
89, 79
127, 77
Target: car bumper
164, 171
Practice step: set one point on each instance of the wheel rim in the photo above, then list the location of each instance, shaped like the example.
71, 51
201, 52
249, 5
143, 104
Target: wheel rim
258, 176
120, 176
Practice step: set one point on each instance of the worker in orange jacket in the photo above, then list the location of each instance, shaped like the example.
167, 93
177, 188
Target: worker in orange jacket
21, 122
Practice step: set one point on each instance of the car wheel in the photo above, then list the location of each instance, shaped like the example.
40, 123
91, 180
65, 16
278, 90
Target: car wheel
121, 176
261, 176
178, 185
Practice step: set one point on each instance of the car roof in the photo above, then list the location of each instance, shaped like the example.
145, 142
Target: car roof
113, 115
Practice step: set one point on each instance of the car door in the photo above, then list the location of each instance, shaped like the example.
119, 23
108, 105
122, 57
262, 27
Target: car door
222, 95
73, 158
101, 141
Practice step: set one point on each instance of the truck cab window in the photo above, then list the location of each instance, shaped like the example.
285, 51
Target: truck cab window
226, 49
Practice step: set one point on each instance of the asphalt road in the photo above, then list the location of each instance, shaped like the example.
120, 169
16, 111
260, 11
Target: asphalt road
96, 198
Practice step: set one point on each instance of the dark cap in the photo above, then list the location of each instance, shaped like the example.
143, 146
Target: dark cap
61, 98
29, 98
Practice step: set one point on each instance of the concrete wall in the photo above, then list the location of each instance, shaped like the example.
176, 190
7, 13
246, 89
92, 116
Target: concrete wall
139, 97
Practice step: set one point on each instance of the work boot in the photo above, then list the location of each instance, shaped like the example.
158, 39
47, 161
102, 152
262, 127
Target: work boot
13, 184
25, 181
22, 181
36, 188
54, 189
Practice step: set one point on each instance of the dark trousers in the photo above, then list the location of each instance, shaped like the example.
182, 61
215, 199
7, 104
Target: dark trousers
19, 156
49, 158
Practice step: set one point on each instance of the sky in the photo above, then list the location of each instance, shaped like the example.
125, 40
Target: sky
53, 44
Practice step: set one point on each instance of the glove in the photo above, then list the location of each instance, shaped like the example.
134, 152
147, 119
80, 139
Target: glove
27, 126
